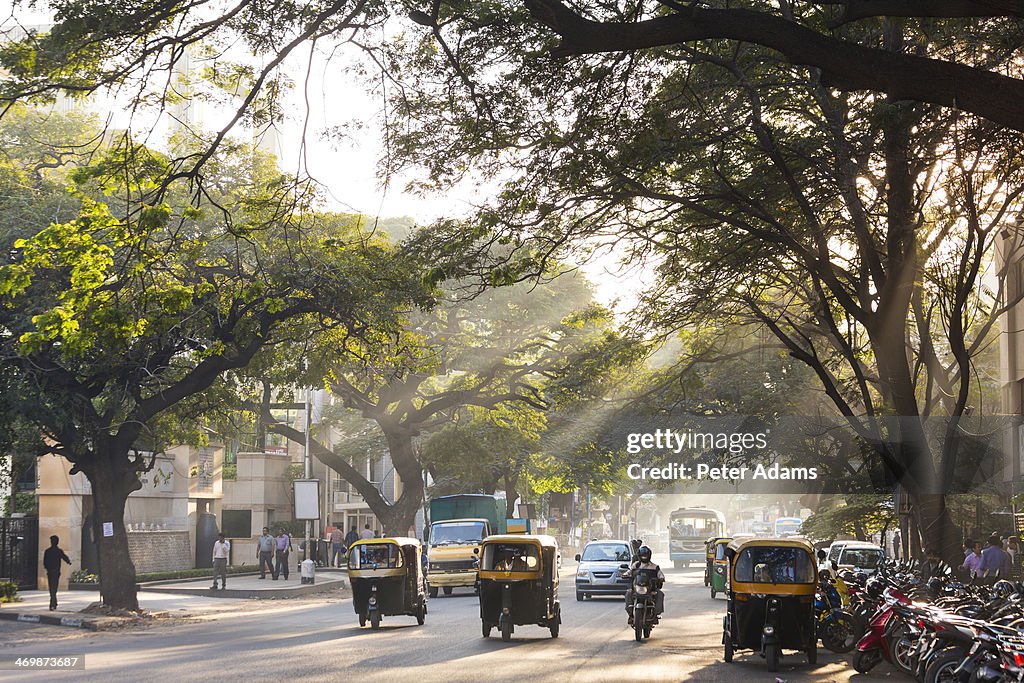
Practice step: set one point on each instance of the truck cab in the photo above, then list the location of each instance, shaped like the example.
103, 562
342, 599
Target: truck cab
451, 556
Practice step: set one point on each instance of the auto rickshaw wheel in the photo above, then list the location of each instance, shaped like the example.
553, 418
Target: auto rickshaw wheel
375, 620
486, 629
812, 654
713, 593
448, 590
421, 613
362, 619
506, 628
432, 591
771, 655
728, 649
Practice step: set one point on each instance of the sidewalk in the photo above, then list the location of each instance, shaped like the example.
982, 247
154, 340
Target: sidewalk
187, 596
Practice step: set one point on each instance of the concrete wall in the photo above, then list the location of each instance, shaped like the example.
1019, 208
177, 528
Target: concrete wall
160, 551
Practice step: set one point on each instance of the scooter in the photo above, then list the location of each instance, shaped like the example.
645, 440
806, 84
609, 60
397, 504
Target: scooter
884, 628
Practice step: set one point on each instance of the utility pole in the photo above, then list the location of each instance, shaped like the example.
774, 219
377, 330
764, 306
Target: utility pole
308, 463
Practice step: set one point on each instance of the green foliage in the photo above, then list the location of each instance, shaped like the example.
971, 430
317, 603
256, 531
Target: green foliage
83, 576
24, 501
9, 592
859, 516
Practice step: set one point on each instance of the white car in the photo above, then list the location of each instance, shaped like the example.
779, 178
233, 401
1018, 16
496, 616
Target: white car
857, 555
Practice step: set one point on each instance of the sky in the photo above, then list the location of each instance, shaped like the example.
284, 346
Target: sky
346, 165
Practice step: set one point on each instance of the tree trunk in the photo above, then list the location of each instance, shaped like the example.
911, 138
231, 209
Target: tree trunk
112, 482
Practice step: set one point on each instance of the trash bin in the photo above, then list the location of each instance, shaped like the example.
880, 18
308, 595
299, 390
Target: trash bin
308, 571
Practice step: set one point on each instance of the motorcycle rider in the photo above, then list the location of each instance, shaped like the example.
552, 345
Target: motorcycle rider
643, 561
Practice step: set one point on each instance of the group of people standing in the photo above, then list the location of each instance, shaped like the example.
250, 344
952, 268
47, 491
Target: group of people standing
994, 560
272, 553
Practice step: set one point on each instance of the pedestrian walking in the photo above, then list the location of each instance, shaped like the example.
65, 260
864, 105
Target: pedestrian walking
1013, 550
221, 552
52, 558
337, 547
972, 563
994, 560
284, 549
352, 536
265, 545
366, 533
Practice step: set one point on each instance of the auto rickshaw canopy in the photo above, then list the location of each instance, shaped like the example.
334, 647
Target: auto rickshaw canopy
772, 566
370, 557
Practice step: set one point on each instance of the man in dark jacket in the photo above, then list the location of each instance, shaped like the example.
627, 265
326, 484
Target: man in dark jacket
52, 558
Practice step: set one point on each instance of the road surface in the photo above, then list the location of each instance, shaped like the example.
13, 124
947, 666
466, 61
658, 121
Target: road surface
319, 638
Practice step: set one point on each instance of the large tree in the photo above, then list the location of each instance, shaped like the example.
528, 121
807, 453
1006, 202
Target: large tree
496, 348
116, 325
856, 228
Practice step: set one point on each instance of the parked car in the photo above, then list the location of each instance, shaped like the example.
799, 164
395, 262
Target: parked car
857, 555
599, 569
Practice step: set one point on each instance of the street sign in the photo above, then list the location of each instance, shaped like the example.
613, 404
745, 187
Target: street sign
307, 499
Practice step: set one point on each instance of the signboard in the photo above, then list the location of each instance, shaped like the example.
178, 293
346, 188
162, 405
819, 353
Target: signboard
307, 498
108, 529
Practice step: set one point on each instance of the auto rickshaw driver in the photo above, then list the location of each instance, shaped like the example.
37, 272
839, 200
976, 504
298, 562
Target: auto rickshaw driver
643, 561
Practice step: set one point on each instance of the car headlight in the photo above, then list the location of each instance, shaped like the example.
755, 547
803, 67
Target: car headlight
641, 590
582, 574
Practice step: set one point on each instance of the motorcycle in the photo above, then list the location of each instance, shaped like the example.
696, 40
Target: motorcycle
836, 626
644, 609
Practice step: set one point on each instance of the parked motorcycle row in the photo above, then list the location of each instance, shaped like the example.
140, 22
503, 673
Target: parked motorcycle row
938, 631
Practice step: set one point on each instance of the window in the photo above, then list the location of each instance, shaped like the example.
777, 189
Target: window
237, 523
375, 556
510, 557
774, 564
606, 552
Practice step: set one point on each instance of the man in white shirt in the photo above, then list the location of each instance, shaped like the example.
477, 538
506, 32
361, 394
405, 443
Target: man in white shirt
366, 533
221, 551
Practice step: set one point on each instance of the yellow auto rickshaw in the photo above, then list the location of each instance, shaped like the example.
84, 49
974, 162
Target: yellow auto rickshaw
518, 579
386, 575
770, 590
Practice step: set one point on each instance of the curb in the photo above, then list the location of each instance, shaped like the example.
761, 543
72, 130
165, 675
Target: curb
53, 620
257, 594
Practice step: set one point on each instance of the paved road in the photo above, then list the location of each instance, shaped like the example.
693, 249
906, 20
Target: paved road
319, 638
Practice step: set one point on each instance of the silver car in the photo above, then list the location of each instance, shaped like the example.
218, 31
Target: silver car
599, 569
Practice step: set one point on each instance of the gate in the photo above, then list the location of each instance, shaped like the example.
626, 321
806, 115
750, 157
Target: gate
19, 550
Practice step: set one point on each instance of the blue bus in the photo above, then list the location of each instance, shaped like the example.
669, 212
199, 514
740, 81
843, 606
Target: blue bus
787, 526
688, 529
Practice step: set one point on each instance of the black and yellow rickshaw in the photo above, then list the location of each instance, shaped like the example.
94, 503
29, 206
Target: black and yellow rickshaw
719, 566
770, 589
386, 575
518, 577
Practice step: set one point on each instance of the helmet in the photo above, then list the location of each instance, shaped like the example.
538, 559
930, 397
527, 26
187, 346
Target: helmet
875, 587
644, 553
1003, 588
935, 584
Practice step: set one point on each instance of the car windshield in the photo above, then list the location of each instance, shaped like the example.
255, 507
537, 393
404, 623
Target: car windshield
375, 556
445, 533
774, 564
606, 552
865, 558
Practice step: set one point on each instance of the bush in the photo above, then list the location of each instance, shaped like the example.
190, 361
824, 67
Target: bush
83, 576
8, 591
